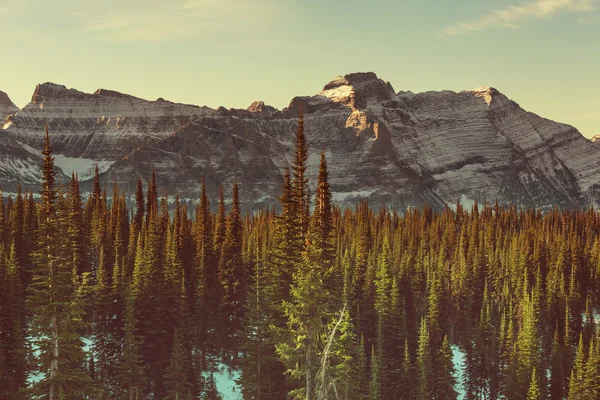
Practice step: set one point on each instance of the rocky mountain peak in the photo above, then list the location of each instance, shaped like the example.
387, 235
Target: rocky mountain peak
260, 107
358, 90
47, 91
399, 149
490, 95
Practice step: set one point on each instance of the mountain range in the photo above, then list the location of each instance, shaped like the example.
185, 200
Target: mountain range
399, 149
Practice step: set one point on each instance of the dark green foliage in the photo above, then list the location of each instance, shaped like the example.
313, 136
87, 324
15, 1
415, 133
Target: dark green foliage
352, 304
56, 299
176, 380
233, 276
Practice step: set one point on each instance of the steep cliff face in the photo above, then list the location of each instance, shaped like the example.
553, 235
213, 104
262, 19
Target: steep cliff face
103, 126
398, 149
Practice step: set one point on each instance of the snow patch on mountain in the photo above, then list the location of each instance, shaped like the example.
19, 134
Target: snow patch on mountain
397, 149
20, 168
338, 90
342, 197
85, 168
465, 202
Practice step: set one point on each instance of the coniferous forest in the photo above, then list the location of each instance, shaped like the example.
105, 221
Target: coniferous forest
99, 300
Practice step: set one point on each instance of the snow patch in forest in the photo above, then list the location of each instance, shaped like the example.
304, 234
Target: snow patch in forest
595, 315
226, 382
34, 376
84, 167
458, 360
88, 343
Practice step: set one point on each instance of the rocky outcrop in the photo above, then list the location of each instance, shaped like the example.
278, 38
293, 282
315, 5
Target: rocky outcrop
104, 126
7, 107
396, 149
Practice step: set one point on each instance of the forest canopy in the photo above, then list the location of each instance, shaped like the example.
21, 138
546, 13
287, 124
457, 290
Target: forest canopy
99, 300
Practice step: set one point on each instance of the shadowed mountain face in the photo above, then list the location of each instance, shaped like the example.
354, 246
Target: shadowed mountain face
7, 107
396, 149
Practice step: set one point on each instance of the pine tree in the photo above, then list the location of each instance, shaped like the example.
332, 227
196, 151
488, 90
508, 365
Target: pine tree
233, 275
301, 197
56, 302
176, 382
374, 384
534, 389
322, 218
261, 376
407, 382
423, 363
139, 205
13, 365
131, 370
308, 308
591, 382
576, 381
443, 386
556, 373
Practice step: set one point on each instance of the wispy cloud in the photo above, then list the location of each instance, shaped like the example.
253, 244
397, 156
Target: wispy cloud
510, 17
160, 21
588, 20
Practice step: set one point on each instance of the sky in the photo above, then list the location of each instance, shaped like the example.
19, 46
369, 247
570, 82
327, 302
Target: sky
543, 54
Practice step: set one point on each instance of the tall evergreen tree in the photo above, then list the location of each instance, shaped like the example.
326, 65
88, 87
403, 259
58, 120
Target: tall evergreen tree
56, 302
233, 275
300, 183
178, 387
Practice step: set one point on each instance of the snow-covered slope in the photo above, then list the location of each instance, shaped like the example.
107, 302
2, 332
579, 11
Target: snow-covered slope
17, 164
400, 149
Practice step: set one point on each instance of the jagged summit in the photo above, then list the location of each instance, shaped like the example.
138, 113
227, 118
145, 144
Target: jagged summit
52, 91
399, 149
487, 93
260, 107
358, 90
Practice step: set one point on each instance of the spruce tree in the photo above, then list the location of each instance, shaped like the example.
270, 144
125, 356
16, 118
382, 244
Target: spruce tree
423, 363
534, 389
131, 374
443, 386
176, 382
13, 364
56, 301
309, 307
301, 197
233, 276
375, 383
